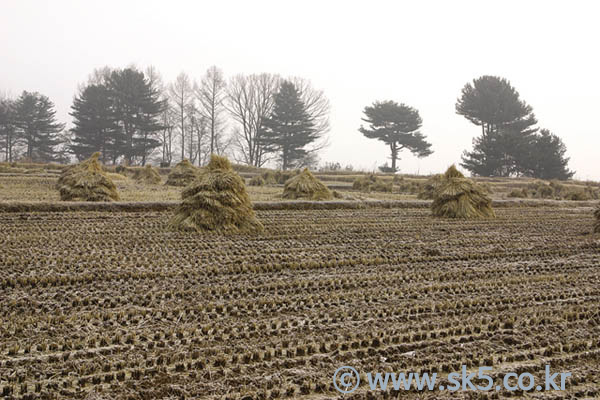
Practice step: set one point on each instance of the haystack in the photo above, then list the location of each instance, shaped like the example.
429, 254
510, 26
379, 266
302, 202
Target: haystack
306, 186
256, 180
216, 201
183, 174
459, 197
269, 177
86, 181
367, 183
597, 216
147, 175
427, 192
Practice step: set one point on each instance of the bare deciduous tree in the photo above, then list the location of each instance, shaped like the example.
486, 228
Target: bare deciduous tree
180, 96
8, 134
250, 101
211, 96
166, 119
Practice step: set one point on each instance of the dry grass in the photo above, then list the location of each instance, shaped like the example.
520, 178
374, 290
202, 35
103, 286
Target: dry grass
306, 186
459, 197
597, 217
86, 181
216, 201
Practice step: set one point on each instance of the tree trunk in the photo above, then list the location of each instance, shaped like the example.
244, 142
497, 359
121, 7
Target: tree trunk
394, 149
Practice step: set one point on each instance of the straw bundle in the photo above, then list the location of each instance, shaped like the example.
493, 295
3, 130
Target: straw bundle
216, 201
306, 186
428, 190
459, 197
147, 175
183, 174
86, 181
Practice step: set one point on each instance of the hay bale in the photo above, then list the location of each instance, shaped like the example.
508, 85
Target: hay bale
363, 183
518, 194
216, 201
371, 182
306, 186
269, 177
86, 181
183, 174
427, 191
282, 177
597, 216
459, 197
257, 181
147, 175
115, 177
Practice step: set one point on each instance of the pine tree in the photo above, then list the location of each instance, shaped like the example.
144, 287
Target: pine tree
507, 127
510, 152
137, 110
289, 129
37, 128
94, 125
493, 103
397, 125
546, 158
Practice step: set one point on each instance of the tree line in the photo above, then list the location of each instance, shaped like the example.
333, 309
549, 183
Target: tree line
132, 116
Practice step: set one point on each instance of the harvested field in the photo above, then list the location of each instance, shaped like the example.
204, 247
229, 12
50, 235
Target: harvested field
113, 305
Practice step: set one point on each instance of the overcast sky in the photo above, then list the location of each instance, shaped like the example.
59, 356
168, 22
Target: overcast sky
420, 53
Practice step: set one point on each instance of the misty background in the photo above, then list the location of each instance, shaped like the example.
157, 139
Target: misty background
418, 53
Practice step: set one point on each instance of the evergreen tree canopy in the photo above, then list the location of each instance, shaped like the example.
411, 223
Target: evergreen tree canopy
509, 144
37, 128
492, 103
136, 110
290, 128
397, 125
547, 157
94, 128
511, 153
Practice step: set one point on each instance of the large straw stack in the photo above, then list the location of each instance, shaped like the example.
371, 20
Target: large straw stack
429, 188
183, 174
306, 186
216, 201
597, 216
459, 197
147, 175
86, 181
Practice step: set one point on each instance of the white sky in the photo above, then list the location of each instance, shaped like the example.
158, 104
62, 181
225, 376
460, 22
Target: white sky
418, 52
